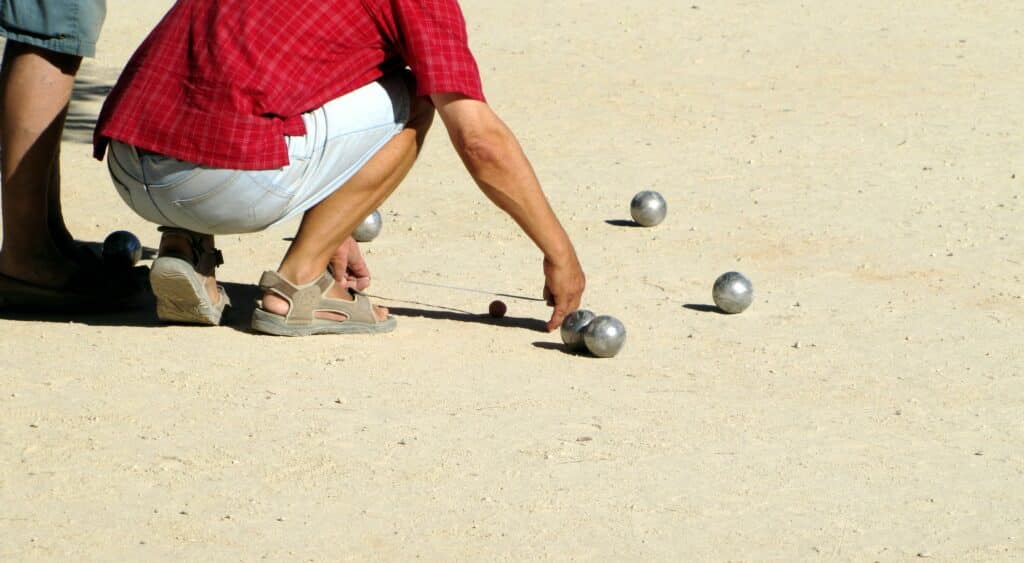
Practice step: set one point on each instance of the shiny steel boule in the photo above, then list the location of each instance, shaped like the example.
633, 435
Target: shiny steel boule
369, 228
732, 292
121, 249
572, 328
648, 208
604, 336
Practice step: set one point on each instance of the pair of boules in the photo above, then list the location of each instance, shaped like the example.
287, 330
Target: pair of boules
732, 291
601, 335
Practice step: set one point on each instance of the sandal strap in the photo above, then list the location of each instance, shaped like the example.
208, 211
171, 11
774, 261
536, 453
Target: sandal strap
304, 301
205, 258
359, 309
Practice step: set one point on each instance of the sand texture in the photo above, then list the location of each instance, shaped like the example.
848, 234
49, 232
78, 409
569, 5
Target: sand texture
861, 162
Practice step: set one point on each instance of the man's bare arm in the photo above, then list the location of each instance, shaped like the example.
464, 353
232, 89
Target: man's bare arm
494, 158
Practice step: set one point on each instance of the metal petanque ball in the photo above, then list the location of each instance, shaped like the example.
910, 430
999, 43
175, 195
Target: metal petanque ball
732, 292
572, 328
604, 336
369, 228
121, 249
648, 208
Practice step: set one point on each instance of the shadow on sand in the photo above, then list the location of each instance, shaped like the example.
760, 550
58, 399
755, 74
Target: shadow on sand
243, 302
702, 308
556, 347
622, 223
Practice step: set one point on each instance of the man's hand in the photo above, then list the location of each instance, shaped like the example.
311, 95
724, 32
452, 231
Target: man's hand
348, 266
563, 289
496, 161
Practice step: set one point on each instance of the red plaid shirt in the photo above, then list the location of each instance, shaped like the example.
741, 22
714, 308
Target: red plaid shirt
221, 82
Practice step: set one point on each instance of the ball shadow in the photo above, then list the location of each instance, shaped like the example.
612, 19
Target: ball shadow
560, 348
704, 308
623, 223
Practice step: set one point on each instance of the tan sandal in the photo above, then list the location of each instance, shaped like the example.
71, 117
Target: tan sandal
181, 295
305, 301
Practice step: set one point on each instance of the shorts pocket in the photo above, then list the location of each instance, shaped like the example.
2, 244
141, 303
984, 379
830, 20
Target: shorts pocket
218, 201
166, 173
271, 180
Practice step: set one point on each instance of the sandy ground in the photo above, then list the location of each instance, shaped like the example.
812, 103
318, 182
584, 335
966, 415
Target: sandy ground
861, 162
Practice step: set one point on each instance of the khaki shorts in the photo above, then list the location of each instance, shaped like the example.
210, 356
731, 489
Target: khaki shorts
340, 138
64, 26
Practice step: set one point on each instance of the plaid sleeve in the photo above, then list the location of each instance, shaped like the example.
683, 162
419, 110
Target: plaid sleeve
432, 40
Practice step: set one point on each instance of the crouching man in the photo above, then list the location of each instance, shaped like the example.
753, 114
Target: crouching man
233, 116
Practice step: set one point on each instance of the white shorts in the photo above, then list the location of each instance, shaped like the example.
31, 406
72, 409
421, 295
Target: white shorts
340, 138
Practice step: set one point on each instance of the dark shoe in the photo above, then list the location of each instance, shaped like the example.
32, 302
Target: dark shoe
95, 293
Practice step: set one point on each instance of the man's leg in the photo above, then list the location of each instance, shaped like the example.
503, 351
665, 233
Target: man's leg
54, 211
328, 224
35, 89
